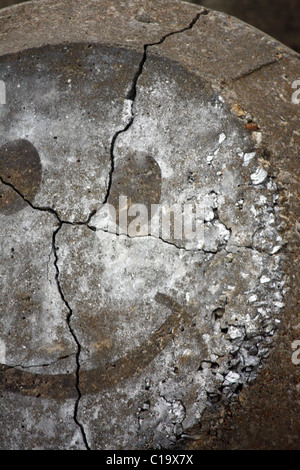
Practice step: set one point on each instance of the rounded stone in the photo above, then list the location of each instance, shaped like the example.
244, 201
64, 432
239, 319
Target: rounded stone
129, 331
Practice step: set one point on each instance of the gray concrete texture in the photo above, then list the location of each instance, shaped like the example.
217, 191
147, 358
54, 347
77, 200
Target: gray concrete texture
113, 341
277, 18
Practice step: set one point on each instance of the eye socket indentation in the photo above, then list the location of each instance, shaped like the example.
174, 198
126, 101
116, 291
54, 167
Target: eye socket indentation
138, 177
20, 165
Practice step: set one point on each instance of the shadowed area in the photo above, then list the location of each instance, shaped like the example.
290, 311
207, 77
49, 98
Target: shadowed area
20, 166
138, 177
61, 386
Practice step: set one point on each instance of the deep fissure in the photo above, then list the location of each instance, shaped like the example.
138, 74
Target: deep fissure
70, 313
131, 95
59, 288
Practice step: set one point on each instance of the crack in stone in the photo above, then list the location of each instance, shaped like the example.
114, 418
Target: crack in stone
60, 223
41, 208
223, 246
10, 366
179, 247
131, 95
256, 69
54, 247
50, 210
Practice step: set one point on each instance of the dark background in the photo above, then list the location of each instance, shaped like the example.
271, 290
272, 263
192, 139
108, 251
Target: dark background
278, 18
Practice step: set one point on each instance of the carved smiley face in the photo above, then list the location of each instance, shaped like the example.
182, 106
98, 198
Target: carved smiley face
129, 337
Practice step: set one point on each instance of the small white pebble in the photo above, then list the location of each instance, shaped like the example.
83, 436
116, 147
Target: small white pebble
264, 279
231, 377
259, 176
275, 249
248, 157
222, 137
257, 136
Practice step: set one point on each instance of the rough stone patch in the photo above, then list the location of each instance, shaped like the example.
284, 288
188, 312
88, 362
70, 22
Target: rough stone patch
220, 292
156, 311
210, 321
70, 119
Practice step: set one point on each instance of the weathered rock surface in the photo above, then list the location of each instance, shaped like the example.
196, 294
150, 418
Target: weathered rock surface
115, 341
